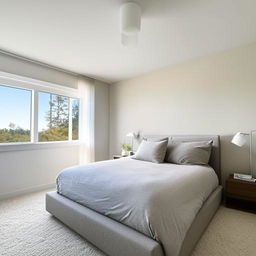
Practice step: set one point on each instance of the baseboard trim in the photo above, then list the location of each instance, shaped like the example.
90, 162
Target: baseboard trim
26, 191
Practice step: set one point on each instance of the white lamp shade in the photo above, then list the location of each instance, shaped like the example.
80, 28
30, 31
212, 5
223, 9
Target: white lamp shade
240, 139
130, 134
130, 15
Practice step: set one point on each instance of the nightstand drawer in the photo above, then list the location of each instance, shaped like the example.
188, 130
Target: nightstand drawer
118, 156
241, 190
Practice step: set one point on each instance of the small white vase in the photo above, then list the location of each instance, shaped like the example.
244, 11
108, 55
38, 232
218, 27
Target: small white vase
123, 152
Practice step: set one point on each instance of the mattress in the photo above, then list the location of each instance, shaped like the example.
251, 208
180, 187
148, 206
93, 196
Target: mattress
158, 200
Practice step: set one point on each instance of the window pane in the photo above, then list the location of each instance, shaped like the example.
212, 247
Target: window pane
75, 118
15, 108
53, 117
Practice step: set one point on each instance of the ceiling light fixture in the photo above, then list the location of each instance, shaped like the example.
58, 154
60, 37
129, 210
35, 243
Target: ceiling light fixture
130, 18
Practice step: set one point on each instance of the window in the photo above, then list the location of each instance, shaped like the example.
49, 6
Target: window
54, 114
15, 113
53, 117
75, 118
34, 111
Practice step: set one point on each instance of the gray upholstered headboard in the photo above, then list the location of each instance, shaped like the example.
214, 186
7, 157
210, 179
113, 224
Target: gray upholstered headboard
215, 155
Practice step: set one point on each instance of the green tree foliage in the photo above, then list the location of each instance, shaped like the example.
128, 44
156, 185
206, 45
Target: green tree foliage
57, 118
75, 119
54, 134
14, 134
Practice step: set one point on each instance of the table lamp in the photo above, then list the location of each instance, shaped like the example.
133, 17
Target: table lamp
240, 140
133, 135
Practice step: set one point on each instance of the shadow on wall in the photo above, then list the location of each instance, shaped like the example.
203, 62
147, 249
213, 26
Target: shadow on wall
233, 158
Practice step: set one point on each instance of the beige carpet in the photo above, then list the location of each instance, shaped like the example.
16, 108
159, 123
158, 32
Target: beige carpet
27, 229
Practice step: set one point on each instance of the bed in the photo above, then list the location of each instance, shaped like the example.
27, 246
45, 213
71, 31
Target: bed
146, 209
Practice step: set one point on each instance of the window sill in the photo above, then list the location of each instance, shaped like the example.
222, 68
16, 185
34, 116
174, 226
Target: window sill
22, 146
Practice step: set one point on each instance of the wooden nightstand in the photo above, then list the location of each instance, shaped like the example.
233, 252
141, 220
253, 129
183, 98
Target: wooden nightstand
118, 156
240, 194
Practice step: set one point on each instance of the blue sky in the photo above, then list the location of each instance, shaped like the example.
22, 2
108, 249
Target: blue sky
15, 107
43, 108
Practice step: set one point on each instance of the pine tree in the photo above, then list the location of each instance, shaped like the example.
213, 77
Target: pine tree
75, 119
57, 116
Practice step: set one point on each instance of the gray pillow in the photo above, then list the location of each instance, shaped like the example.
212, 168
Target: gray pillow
156, 139
189, 152
151, 151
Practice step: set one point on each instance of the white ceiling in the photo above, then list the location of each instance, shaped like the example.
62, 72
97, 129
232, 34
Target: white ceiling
83, 35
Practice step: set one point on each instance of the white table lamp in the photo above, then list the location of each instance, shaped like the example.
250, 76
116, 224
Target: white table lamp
240, 140
133, 136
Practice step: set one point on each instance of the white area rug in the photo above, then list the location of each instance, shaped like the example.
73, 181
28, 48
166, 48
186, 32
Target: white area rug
27, 229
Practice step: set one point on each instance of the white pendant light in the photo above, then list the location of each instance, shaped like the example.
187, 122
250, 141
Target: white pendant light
130, 19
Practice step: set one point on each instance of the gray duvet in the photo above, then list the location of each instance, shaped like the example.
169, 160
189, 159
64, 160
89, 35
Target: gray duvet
158, 200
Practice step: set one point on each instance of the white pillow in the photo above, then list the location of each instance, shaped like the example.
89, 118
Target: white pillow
151, 151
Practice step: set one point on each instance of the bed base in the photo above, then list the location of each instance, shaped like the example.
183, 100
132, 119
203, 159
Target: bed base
116, 239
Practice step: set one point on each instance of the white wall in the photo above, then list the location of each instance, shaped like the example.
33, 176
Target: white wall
213, 95
25, 68
25, 171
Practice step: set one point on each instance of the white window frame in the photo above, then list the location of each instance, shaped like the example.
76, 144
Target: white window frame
15, 81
